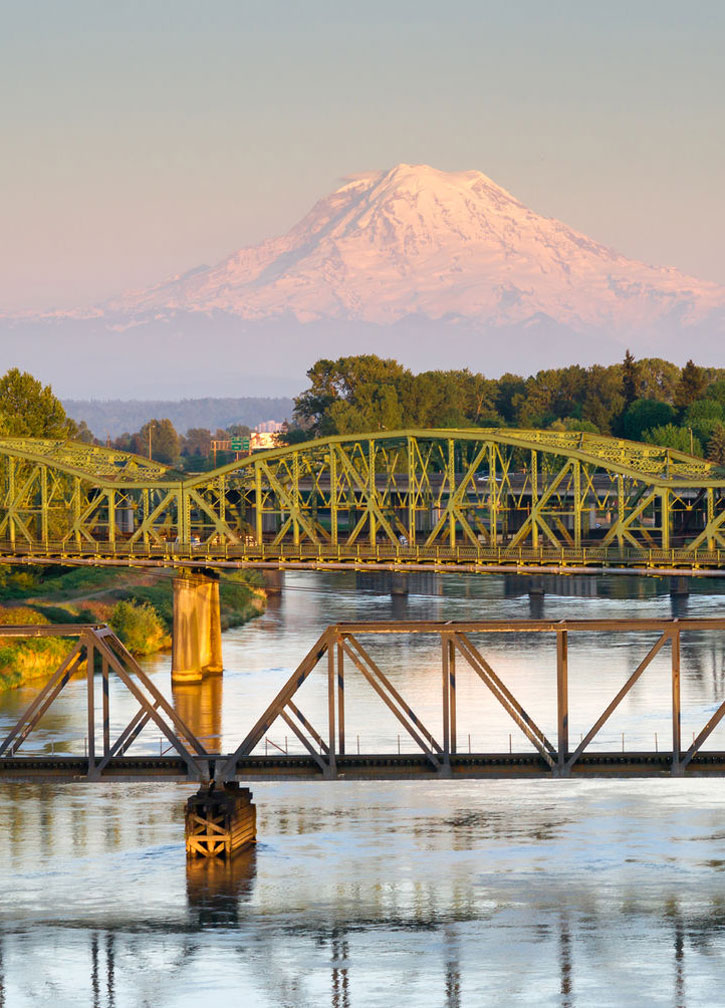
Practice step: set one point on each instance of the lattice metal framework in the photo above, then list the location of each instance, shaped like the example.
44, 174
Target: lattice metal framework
481, 495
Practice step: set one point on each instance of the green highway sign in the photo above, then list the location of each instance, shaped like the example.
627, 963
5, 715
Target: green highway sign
240, 444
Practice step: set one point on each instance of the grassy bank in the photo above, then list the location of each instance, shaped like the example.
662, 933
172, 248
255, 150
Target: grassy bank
138, 605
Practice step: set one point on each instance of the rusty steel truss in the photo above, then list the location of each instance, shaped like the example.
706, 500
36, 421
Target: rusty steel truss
479, 499
325, 752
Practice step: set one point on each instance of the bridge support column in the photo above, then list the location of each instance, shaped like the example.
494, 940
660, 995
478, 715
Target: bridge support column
679, 586
399, 582
197, 633
220, 822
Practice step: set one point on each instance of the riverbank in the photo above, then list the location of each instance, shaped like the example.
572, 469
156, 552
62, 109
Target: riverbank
138, 605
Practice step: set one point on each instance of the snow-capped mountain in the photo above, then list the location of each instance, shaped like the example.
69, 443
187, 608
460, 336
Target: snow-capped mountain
437, 269
440, 246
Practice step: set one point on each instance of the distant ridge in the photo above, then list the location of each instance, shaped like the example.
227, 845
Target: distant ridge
118, 416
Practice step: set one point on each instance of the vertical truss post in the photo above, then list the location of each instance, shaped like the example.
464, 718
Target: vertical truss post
710, 515
258, 502
76, 510
446, 698
340, 697
452, 491
91, 709
534, 497
562, 697
676, 724
373, 493
620, 510
111, 498
145, 515
333, 495
11, 499
297, 502
106, 703
578, 507
44, 505
492, 496
665, 511
412, 490
331, 684
452, 691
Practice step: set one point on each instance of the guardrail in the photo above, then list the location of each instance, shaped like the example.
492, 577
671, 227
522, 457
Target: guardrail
381, 554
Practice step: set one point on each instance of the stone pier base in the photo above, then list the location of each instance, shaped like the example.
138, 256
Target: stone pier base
197, 632
220, 822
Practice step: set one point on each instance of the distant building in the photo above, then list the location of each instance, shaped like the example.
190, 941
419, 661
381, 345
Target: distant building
262, 440
269, 427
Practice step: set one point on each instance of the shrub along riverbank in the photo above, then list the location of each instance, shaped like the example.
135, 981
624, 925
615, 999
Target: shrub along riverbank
137, 605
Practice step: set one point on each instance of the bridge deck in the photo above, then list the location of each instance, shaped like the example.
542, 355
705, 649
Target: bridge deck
365, 767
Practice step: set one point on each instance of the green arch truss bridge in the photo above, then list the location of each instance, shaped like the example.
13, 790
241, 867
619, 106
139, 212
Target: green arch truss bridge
480, 499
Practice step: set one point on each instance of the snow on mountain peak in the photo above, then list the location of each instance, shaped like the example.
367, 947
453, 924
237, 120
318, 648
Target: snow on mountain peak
415, 240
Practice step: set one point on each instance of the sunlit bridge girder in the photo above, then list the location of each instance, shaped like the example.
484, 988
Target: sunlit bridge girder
478, 498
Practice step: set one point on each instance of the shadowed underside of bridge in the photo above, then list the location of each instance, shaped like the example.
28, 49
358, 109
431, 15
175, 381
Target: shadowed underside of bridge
148, 741
480, 499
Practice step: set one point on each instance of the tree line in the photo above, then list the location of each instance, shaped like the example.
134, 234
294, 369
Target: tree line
30, 409
648, 400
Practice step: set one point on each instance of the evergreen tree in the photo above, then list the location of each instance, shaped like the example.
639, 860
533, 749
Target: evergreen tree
716, 445
29, 409
690, 386
630, 379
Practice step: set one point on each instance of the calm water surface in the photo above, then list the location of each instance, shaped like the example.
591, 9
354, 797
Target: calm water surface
561, 893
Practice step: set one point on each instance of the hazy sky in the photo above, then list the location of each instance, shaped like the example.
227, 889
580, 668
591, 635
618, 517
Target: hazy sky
143, 138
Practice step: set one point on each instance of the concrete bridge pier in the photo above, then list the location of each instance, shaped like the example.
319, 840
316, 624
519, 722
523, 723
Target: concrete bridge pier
399, 582
197, 633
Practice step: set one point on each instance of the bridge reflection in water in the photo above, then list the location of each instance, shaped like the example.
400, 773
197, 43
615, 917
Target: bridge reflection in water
104, 971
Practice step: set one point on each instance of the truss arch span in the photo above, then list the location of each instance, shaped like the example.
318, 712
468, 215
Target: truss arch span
444, 496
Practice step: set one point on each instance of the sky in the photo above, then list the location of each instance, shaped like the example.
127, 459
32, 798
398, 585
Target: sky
141, 139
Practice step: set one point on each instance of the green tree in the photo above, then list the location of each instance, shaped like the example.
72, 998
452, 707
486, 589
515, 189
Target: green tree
670, 436
630, 379
138, 625
159, 440
508, 388
29, 409
349, 392
690, 386
716, 445
658, 379
643, 415
603, 398
196, 443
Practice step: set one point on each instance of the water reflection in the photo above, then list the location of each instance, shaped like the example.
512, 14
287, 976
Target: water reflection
562, 894
200, 707
216, 887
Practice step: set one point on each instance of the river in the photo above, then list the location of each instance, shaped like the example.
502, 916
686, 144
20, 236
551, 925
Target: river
546, 893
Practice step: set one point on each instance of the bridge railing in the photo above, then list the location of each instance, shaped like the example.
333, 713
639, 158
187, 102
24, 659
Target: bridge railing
383, 554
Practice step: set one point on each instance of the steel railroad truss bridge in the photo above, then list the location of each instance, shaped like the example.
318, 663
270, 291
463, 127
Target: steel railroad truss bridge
471, 500
154, 743
149, 742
